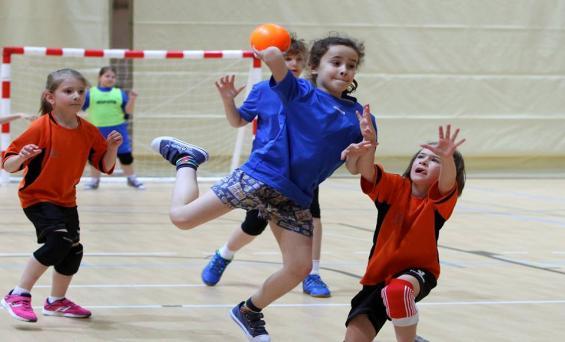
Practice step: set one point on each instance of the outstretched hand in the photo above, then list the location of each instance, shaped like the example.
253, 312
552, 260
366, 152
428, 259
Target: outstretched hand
446, 144
366, 125
29, 117
355, 150
369, 134
114, 140
29, 151
226, 87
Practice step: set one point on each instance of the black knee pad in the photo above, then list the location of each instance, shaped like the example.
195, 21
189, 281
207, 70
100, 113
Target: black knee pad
71, 263
56, 247
125, 158
253, 224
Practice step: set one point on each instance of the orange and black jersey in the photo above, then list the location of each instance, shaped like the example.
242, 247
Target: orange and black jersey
407, 227
52, 175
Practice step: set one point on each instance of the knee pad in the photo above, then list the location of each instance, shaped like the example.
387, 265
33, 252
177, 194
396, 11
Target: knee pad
125, 158
398, 298
253, 224
71, 263
56, 247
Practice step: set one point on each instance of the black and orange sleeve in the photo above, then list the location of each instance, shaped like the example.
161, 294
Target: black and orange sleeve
98, 149
444, 203
383, 186
30, 136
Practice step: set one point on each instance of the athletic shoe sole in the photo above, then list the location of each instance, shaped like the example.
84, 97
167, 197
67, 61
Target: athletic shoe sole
7, 307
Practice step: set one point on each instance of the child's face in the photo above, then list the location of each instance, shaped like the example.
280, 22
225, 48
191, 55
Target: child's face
68, 98
295, 62
107, 79
425, 168
337, 69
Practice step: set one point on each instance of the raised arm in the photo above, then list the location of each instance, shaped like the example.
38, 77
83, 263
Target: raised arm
444, 149
114, 140
360, 157
9, 118
228, 92
274, 59
130, 106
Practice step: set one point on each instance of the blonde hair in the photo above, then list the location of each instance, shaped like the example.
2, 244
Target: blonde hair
54, 80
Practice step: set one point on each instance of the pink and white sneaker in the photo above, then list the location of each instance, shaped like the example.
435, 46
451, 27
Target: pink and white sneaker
65, 308
19, 307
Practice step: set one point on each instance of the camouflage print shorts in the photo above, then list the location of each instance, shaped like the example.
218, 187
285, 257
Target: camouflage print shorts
239, 190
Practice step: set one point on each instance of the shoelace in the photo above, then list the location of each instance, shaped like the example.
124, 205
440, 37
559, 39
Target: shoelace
25, 302
315, 281
255, 321
67, 304
219, 263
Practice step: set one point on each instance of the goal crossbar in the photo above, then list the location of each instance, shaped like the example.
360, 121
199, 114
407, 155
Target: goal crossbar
9, 52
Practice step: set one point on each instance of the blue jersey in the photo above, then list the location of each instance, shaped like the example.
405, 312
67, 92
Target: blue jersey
263, 103
315, 127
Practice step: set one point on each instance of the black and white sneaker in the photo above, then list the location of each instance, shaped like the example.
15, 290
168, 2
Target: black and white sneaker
173, 149
251, 323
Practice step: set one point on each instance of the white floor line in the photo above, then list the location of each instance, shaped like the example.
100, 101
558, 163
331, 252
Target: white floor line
110, 286
117, 254
328, 305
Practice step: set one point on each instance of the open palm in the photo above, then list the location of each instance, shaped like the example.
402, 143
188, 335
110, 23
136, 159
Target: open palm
446, 143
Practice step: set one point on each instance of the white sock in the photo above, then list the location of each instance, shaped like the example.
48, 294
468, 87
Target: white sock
226, 253
52, 299
132, 176
18, 291
315, 267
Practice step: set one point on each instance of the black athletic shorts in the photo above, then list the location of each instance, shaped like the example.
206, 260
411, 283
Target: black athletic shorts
369, 301
47, 217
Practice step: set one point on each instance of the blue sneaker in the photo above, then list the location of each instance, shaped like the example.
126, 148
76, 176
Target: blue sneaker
251, 323
172, 149
315, 286
212, 273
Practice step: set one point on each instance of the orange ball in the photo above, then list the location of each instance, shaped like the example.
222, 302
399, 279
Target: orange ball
266, 35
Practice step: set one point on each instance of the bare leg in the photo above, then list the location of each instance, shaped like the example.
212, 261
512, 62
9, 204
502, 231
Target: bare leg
360, 329
33, 270
238, 239
94, 174
187, 209
60, 284
296, 251
317, 239
128, 169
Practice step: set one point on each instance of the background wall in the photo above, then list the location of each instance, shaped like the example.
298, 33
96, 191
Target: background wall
81, 24
494, 68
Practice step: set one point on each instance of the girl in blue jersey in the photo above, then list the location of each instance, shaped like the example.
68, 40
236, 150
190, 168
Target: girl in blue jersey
108, 108
263, 105
317, 122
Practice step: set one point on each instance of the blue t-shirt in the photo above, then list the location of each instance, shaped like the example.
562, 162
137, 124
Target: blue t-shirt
315, 127
125, 98
263, 103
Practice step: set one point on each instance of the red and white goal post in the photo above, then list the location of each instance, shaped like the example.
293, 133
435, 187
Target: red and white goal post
177, 97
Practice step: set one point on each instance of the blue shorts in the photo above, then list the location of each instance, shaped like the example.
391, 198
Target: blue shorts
122, 128
239, 190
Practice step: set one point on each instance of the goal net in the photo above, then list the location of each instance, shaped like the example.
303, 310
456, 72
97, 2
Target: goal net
177, 97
